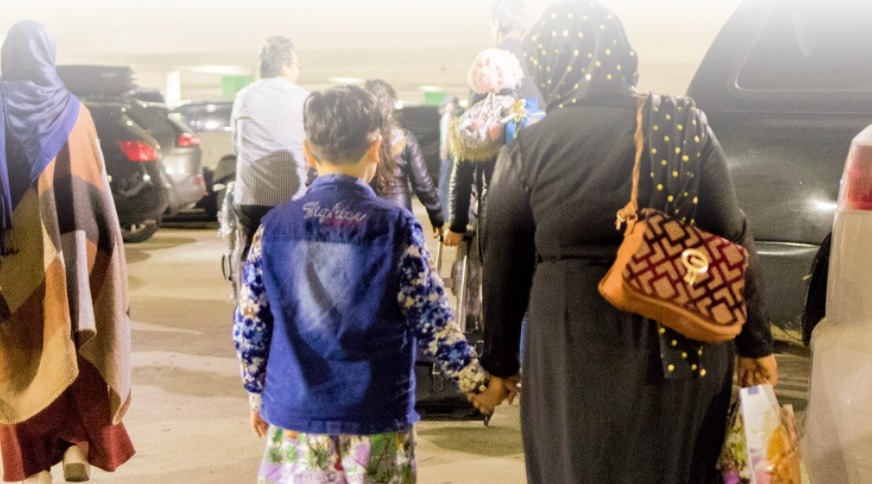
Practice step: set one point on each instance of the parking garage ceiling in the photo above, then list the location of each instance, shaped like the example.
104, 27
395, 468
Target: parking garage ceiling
410, 43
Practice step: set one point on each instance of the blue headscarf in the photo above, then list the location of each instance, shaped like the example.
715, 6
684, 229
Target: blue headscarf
38, 111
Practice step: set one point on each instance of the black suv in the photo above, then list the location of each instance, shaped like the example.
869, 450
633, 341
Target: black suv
175, 182
786, 85
133, 165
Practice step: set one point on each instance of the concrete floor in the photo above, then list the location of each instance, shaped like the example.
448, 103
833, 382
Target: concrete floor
189, 416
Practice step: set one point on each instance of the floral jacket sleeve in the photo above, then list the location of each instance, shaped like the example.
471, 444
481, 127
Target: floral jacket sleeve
253, 321
422, 300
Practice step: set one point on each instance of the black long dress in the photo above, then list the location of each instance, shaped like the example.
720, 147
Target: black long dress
596, 406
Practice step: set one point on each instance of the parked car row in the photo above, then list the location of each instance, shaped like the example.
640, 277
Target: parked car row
211, 121
152, 160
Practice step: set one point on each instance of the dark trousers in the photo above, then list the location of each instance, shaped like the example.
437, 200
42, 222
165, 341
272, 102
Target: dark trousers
248, 219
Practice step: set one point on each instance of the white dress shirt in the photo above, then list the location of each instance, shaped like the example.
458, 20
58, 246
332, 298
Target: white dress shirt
267, 124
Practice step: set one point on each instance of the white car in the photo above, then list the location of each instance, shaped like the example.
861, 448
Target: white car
837, 437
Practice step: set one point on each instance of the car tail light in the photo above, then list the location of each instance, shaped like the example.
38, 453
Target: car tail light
138, 151
856, 191
186, 140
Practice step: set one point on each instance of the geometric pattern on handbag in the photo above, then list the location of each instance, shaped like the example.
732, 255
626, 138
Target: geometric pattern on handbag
691, 268
672, 272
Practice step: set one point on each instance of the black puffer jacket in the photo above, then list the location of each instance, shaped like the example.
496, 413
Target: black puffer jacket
412, 169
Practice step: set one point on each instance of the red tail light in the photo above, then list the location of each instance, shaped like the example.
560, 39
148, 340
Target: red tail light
186, 140
856, 192
138, 151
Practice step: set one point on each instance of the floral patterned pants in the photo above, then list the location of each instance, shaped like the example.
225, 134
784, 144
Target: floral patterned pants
292, 458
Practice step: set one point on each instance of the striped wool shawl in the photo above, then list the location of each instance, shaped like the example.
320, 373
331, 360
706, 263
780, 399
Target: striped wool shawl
65, 291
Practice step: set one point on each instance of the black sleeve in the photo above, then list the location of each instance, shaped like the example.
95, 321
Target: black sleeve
422, 184
508, 231
719, 212
459, 194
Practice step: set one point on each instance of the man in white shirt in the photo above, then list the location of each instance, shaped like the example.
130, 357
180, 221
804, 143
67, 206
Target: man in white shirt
267, 124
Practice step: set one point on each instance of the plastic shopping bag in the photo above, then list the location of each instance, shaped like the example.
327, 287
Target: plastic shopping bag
761, 444
733, 462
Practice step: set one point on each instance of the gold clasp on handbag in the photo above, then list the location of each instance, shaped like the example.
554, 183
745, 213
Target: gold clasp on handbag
696, 263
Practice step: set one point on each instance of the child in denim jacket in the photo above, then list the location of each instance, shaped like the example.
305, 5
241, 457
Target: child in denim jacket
336, 292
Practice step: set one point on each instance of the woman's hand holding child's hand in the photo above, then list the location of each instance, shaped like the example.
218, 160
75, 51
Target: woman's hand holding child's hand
498, 390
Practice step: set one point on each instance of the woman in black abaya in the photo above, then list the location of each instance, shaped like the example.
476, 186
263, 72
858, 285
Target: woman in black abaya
607, 395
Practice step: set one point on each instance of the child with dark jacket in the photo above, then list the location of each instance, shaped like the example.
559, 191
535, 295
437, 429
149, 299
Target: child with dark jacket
337, 292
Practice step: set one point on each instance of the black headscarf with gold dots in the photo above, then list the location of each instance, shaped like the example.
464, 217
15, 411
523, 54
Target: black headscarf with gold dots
578, 49
676, 132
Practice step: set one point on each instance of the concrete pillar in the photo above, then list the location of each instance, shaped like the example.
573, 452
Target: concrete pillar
174, 87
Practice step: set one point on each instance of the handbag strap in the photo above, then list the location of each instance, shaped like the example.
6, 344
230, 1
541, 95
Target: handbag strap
630, 212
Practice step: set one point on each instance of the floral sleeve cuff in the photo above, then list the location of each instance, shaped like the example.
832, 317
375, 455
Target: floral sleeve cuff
254, 401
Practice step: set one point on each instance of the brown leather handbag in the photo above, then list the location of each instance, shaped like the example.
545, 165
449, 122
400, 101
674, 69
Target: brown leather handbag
677, 274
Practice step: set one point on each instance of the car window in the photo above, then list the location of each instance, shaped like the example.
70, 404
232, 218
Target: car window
179, 123
807, 46
208, 117
154, 119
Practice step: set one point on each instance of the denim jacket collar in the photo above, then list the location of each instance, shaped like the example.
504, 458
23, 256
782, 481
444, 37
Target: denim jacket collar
338, 181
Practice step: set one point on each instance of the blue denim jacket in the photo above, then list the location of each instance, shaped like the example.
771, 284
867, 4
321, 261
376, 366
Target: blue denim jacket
337, 290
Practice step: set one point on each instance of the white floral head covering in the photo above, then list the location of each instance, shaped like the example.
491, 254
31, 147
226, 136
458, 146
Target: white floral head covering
494, 70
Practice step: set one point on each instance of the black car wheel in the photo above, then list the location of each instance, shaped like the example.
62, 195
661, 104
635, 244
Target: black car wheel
139, 232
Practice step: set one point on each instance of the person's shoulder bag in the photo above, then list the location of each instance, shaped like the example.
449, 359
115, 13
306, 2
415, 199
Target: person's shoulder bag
673, 272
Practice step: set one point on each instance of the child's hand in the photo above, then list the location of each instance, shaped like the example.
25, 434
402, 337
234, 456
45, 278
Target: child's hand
258, 425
